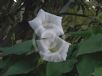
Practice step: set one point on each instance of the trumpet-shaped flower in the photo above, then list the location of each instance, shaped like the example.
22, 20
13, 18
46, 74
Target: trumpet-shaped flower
53, 49
44, 21
48, 28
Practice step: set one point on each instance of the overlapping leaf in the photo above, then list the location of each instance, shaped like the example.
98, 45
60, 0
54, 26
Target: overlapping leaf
86, 66
21, 67
18, 49
56, 69
91, 45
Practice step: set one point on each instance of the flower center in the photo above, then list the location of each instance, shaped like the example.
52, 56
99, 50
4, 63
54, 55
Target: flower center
48, 25
53, 49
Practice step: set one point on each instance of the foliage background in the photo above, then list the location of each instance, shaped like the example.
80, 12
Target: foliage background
82, 23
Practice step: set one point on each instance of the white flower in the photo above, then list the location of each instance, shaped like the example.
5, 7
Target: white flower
48, 28
53, 49
45, 21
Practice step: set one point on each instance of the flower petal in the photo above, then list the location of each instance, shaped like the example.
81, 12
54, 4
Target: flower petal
57, 20
48, 33
41, 14
36, 25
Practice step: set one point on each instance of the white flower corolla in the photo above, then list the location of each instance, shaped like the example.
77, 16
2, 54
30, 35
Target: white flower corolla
47, 29
53, 49
44, 21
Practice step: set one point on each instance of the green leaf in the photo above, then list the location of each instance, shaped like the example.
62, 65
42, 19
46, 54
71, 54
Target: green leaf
4, 63
18, 49
86, 66
56, 69
91, 45
98, 71
20, 67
